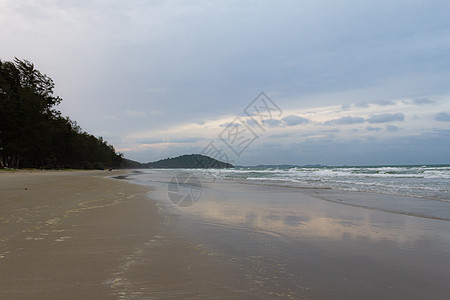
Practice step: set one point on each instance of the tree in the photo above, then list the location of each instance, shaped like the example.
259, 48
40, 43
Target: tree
33, 133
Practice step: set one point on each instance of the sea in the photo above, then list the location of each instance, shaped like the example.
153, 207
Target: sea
425, 181
422, 191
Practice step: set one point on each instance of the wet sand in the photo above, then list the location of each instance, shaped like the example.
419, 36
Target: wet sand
81, 235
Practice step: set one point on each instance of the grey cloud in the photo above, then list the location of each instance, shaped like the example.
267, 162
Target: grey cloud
269, 122
442, 116
370, 128
273, 122
378, 102
422, 101
294, 120
375, 150
384, 102
392, 128
364, 104
237, 123
175, 140
345, 121
186, 140
281, 135
440, 133
346, 107
150, 141
335, 130
250, 122
383, 118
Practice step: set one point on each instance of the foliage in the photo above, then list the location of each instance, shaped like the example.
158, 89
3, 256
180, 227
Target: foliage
33, 134
192, 161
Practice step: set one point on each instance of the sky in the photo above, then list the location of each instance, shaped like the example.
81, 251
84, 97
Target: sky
247, 82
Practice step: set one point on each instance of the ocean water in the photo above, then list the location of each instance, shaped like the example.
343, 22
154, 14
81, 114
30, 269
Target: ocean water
422, 191
428, 182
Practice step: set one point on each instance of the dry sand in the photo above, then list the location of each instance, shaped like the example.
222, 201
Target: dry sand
81, 235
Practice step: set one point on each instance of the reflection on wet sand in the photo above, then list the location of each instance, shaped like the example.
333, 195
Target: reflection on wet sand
299, 214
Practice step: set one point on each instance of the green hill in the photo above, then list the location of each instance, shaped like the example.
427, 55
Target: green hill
192, 161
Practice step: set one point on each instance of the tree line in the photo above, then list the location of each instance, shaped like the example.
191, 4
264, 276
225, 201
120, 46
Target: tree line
34, 134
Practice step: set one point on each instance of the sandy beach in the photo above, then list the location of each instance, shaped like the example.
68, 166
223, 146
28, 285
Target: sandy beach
82, 235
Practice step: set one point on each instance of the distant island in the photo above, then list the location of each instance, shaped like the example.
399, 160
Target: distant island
188, 161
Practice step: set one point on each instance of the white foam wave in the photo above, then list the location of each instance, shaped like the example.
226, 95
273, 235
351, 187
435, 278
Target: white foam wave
425, 181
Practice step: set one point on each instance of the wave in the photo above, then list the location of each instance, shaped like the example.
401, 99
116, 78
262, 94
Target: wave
420, 181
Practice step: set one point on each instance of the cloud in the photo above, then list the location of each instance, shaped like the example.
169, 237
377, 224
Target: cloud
384, 102
151, 141
346, 107
345, 121
365, 104
133, 113
384, 118
226, 124
442, 116
281, 135
293, 120
154, 112
422, 101
392, 128
290, 120
250, 122
335, 130
273, 122
182, 140
441, 133
370, 128
268, 122
186, 140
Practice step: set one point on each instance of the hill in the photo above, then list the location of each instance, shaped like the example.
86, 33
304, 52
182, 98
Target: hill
192, 161
130, 164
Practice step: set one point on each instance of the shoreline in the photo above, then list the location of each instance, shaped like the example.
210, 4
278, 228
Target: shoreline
306, 189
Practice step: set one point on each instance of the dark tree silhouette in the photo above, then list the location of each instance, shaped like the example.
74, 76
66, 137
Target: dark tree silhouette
34, 134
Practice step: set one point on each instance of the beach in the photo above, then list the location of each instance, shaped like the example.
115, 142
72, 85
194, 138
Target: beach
82, 234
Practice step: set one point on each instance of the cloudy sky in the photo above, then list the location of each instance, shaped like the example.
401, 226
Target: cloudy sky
347, 82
